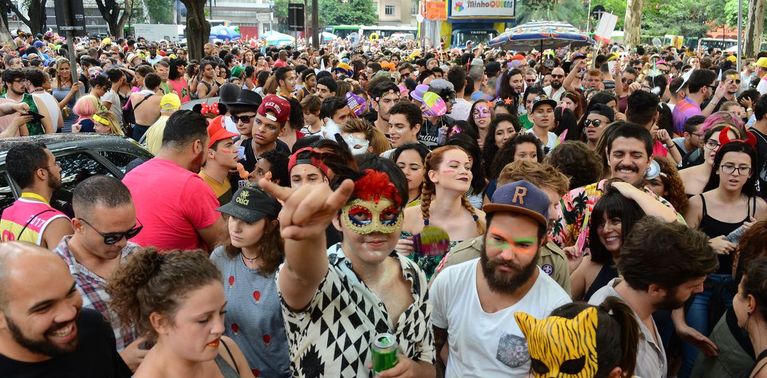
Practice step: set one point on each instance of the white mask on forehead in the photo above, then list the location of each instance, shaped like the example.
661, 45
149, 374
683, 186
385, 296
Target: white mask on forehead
358, 146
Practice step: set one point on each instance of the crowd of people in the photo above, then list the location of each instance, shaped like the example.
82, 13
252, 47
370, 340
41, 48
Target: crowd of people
575, 212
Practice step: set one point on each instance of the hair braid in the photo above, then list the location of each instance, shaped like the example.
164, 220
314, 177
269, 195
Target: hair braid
426, 193
468, 206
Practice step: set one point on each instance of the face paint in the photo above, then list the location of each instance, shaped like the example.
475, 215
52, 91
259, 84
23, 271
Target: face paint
358, 146
561, 347
519, 245
481, 112
366, 217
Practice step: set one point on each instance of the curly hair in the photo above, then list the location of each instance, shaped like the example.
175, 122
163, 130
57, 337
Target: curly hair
752, 245
673, 185
506, 154
270, 247
542, 175
157, 282
432, 162
576, 161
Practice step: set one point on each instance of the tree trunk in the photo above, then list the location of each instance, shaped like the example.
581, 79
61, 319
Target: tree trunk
197, 28
5, 33
37, 17
632, 23
754, 27
36, 12
110, 11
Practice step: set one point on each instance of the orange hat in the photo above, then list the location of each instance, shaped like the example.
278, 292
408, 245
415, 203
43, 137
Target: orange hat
217, 133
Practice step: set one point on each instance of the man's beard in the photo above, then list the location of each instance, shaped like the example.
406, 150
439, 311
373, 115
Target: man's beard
670, 301
42, 347
556, 84
507, 283
53, 182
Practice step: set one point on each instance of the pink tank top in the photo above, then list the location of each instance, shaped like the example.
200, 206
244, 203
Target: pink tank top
27, 219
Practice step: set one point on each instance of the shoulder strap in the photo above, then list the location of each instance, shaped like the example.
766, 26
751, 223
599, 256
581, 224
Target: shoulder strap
231, 357
18, 237
703, 200
142, 100
753, 207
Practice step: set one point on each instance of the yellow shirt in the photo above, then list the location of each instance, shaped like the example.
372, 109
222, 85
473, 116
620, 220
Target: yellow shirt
222, 190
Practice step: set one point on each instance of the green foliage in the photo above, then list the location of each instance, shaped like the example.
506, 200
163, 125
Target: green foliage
350, 12
572, 11
160, 11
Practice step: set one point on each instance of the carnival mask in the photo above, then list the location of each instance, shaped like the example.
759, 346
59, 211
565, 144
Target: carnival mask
561, 347
376, 208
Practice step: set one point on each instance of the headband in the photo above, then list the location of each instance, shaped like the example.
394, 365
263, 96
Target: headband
724, 138
101, 120
311, 160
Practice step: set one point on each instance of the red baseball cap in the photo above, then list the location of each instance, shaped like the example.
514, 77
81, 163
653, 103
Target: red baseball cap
217, 133
277, 106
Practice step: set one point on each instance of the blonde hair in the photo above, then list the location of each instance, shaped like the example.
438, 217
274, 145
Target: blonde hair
375, 136
542, 175
59, 62
114, 123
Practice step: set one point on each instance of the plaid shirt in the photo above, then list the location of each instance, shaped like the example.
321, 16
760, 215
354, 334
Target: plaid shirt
93, 290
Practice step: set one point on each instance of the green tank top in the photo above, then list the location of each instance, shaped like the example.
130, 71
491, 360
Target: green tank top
34, 127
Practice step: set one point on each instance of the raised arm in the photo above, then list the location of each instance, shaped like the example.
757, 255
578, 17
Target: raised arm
306, 213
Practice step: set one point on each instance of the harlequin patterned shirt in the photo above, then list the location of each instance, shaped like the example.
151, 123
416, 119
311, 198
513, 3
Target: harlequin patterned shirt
332, 336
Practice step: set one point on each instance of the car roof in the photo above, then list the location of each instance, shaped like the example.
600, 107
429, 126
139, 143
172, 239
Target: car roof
76, 141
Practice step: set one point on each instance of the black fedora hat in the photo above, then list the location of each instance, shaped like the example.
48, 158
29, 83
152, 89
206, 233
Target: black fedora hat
247, 101
228, 93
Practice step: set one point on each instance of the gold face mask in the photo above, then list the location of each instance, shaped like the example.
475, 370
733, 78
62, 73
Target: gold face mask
366, 217
561, 347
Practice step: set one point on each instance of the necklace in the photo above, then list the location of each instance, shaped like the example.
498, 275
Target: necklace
251, 259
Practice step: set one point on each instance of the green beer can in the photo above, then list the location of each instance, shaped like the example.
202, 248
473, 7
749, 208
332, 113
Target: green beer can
384, 352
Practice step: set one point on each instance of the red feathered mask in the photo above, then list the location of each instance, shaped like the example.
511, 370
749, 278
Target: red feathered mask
374, 185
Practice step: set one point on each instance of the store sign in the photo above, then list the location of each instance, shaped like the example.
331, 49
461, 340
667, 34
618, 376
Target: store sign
482, 9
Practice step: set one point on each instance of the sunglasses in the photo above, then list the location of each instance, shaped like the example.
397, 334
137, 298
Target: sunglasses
590, 122
111, 238
557, 76
243, 118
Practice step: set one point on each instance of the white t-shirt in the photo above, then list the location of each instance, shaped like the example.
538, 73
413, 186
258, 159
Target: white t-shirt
461, 109
484, 344
762, 86
114, 99
552, 142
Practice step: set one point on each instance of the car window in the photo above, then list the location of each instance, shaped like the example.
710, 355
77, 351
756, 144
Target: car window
6, 194
119, 159
74, 169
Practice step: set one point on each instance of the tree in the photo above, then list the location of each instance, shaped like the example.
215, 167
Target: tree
754, 27
571, 11
351, 12
114, 14
632, 23
160, 11
36, 12
5, 34
197, 27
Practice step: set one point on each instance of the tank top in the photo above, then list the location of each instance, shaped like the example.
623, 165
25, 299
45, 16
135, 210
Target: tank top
714, 227
27, 219
608, 272
69, 120
227, 371
34, 127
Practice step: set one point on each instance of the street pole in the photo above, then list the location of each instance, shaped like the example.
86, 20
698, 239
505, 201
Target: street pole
588, 19
315, 24
70, 35
740, 33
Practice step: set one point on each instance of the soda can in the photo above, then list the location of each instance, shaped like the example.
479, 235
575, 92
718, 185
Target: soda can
384, 351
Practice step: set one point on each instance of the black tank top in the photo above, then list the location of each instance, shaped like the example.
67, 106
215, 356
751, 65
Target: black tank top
714, 227
608, 272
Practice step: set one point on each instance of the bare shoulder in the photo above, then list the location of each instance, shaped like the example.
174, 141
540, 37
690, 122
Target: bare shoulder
413, 218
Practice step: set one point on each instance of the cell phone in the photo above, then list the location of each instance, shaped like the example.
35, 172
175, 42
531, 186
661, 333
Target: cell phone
35, 116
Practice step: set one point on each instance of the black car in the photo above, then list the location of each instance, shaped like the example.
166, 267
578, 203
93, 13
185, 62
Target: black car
80, 156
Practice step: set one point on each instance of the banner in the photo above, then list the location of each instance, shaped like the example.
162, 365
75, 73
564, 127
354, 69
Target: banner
495, 9
435, 10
